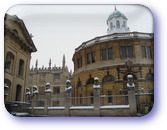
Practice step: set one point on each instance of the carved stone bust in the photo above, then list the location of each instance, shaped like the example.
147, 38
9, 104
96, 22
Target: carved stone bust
48, 89
130, 83
96, 83
68, 86
35, 89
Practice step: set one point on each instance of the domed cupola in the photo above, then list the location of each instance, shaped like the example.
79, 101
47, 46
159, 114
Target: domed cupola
117, 22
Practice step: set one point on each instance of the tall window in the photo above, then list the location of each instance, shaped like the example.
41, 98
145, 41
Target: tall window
107, 54
79, 62
143, 51
42, 77
149, 52
123, 50
146, 52
7, 84
93, 57
111, 25
56, 77
126, 51
18, 92
117, 24
130, 51
21, 67
9, 62
90, 57
104, 54
123, 25
109, 97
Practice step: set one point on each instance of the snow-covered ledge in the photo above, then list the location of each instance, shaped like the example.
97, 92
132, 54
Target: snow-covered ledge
114, 107
82, 107
56, 108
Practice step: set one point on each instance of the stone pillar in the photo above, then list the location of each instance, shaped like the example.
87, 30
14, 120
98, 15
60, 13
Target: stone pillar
34, 97
68, 92
131, 96
132, 102
67, 103
33, 102
47, 102
96, 95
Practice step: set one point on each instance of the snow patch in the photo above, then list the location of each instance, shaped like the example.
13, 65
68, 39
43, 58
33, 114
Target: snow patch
114, 106
38, 108
96, 86
56, 108
82, 107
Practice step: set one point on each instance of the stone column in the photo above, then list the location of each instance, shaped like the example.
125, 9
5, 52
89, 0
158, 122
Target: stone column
34, 97
68, 92
67, 103
47, 102
33, 102
96, 95
131, 96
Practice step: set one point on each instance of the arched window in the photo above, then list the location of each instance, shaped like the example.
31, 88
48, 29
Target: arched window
21, 67
111, 25
18, 92
117, 24
7, 84
90, 81
9, 61
108, 78
149, 76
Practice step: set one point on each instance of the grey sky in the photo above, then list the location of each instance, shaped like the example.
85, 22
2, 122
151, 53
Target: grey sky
59, 29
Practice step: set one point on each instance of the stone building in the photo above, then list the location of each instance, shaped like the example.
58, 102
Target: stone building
54, 76
111, 58
17, 54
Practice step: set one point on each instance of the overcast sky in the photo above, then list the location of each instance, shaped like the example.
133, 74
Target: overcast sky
59, 29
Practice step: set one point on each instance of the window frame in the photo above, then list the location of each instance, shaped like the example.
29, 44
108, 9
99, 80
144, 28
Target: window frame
106, 54
91, 57
126, 52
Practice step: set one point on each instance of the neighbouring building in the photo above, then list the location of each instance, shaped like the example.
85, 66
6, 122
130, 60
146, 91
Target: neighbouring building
55, 76
17, 54
111, 58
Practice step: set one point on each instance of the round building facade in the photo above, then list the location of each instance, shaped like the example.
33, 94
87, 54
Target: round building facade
111, 58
